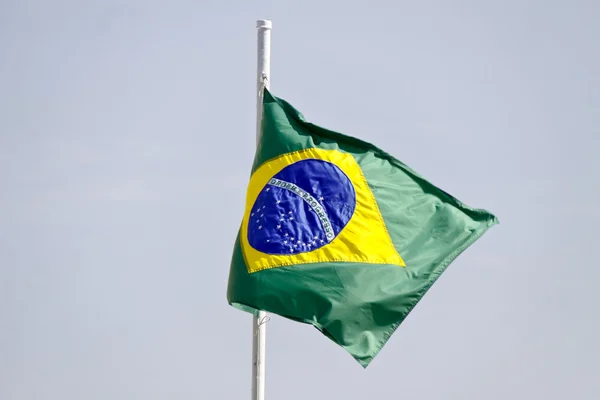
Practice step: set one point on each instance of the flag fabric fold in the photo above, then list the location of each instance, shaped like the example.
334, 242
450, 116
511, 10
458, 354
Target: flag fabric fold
341, 235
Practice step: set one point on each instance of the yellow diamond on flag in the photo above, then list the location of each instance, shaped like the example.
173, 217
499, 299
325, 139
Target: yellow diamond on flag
313, 206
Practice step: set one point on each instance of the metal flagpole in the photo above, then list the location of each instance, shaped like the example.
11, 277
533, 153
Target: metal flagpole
259, 327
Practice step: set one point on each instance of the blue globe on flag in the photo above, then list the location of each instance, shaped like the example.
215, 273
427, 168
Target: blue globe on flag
302, 208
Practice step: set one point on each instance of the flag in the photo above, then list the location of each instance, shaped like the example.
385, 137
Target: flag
341, 235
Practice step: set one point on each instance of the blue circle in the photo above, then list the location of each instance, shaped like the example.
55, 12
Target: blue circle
302, 208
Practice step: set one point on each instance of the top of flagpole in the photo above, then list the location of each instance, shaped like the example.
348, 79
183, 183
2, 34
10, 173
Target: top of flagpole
264, 24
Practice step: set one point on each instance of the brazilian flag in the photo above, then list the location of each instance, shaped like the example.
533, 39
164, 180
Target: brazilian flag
341, 235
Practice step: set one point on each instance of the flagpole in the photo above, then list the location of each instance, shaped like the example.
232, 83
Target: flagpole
259, 327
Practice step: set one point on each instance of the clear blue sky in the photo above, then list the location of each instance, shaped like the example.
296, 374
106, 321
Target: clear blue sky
126, 139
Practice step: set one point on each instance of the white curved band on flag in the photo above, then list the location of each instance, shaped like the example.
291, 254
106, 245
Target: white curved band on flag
311, 201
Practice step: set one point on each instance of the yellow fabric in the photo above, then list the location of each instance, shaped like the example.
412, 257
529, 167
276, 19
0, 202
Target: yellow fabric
364, 239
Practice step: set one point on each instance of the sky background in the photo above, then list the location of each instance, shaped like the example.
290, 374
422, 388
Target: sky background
126, 140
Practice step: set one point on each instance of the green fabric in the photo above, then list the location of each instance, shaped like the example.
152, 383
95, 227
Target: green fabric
358, 306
